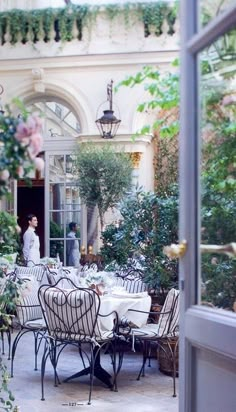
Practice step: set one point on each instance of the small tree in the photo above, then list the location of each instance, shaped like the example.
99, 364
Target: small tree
104, 176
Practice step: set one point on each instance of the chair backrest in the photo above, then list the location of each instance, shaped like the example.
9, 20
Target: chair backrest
70, 314
28, 307
169, 315
37, 271
131, 281
54, 275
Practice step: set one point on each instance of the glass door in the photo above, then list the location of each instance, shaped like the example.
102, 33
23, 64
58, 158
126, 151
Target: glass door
62, 203
208, 206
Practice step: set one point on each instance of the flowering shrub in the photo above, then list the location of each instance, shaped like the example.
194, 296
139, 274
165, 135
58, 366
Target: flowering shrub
20, 143
9, 233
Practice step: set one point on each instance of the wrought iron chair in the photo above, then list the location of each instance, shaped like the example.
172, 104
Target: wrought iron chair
72, 317
4, 324
63, 275
36, 271
132, 281
29, 317
161, 333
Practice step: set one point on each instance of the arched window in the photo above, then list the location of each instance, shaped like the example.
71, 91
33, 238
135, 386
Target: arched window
59, 119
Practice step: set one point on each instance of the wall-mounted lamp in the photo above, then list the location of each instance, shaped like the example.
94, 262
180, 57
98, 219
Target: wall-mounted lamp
108, 124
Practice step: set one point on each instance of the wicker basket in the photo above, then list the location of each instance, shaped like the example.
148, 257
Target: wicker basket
164, 357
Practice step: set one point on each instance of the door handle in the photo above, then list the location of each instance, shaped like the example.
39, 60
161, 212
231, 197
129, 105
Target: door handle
174, 250
229, 249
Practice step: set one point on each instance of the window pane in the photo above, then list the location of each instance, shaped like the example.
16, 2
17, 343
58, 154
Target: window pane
57, 233
57, 196
56, 168
56, 224
57, 247
209, 9
218, 170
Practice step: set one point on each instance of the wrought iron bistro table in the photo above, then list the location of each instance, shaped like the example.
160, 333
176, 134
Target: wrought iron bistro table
121, 303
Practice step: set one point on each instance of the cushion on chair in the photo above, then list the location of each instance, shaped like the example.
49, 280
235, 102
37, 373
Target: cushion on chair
170, 310
36, 271
28, 307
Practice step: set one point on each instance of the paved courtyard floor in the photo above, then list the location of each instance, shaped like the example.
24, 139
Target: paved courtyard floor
152, 393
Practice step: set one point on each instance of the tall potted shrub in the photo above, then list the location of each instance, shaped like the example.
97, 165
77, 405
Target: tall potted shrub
103, 176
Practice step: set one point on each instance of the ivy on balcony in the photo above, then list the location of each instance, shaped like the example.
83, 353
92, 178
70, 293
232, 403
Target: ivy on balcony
61, 24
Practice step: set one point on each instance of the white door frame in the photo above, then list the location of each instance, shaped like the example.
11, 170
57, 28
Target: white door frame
195, 318
83, 235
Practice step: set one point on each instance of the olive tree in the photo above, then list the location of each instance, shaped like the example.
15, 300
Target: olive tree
104, 176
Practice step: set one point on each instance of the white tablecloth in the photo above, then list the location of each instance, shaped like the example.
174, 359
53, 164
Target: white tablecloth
122, 304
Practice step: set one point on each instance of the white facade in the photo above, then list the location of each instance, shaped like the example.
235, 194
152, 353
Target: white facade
76, 74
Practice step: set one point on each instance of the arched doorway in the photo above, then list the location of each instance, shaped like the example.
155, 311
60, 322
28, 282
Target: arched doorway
53, 196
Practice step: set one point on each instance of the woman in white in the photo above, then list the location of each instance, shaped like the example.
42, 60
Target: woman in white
31, 242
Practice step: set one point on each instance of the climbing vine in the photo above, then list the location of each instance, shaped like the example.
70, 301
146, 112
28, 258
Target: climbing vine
33, 25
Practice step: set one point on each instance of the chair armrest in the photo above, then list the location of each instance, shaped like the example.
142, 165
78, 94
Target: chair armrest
150, 313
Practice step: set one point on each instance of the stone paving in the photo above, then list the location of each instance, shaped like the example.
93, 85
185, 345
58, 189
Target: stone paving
152, 393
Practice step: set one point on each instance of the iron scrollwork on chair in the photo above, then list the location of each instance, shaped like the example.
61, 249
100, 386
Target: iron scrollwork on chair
161, 333
72, 317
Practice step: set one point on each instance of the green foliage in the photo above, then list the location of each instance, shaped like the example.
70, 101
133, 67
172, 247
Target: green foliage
219, 195
34, 25
219, 276
163, 90
8, 297
56, 246
9, 233
149, 222
5, 404
104, 176
116, 249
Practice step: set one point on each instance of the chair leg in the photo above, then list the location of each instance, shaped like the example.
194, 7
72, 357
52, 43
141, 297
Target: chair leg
92, 363
46, 353
81, 355
114, 366
9, 343
14, 346
2, 339
145, 356
174, 359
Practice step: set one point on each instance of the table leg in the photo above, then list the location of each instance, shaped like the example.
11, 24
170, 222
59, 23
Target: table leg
99, 372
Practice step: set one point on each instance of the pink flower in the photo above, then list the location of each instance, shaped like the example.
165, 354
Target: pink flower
4, 175
230, 99
26, 129
39, 164
35, 145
